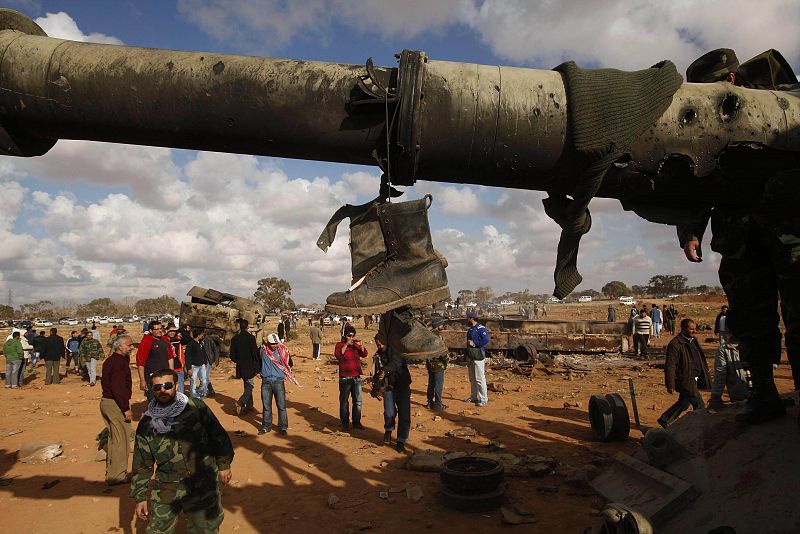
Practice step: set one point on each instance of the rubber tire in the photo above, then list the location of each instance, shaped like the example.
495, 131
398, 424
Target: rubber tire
601, 417
474, 502
621, 425
457, 480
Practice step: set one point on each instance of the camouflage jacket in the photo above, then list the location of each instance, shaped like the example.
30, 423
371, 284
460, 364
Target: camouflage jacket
190, 455
90, 350
437, 364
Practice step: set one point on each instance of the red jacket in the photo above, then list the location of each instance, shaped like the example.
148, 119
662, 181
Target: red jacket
143, 352
349, 359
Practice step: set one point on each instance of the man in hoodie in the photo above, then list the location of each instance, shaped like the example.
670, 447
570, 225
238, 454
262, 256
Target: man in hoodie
244, 353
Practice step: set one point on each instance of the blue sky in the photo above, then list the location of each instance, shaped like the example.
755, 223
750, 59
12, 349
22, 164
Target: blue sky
92, 219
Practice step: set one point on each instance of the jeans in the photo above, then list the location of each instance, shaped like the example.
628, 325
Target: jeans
181, 385
246, 400
685, 399
315, 350
350, 387
12, 373
477, 380
277, 389
397, 402
435, 386
199, 373
52, 372
21, 372
34, 358
72, 356
92, 367
656, 328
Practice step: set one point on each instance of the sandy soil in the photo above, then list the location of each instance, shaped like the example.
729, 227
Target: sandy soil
284, 483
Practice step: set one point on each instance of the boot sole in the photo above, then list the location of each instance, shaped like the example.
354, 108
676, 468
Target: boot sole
420, 356
417, 300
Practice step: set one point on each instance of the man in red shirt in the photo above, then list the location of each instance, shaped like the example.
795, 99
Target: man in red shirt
349, 353
154, 353
116, 409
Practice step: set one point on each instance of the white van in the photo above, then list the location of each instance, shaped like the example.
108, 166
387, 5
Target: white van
628, 301
585, 298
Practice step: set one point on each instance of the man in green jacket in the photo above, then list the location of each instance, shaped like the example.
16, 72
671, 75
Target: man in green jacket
190, 451
89, 353
12, 350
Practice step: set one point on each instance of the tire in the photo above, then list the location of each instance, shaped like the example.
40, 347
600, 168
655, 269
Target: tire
621, 426
601, 417
471, 475
474, 502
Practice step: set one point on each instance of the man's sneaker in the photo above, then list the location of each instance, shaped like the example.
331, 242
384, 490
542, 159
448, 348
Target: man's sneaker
262, 431
387, 437
282, 432
482, 404
358, 426
400, 447
238, 409
470, 399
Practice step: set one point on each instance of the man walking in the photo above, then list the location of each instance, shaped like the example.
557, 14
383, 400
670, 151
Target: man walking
191, 453
477, 339
349, 352
37, 341
396, 395
154, 353
315, 334
115, 408
197, 361
179, 362
12, 350
612, 314
89, 353
276, 368
53, 351
685, 371
728, 372
656, 317
244, 353
721, 325
210, 347
642, 328
72, 351
436, 368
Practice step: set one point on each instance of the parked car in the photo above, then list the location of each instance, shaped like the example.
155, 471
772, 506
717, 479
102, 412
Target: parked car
628, 301
553, 300
327, 321
70, 321
585, 298
42, 323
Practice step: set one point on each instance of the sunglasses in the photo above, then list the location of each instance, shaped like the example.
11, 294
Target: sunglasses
166, 386
350, 335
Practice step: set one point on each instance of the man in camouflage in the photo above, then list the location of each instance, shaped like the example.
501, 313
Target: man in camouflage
89, 353
191, 453
759, 244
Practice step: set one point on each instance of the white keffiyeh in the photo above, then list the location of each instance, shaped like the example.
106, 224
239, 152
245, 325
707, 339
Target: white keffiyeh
163, 417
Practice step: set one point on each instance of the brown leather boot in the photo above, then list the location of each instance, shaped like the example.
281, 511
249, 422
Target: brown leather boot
407, 337
412, 274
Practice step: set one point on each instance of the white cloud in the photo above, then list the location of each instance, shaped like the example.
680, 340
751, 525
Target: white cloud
62, 26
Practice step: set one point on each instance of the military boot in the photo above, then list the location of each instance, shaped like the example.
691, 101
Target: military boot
412, 273
406, 336
367, 246
764, 402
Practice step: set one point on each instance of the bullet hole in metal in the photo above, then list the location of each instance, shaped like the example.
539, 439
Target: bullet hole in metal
230, 122
536, 112
676, 166
552, 96
688, 117
557, 105
219, 67
729, 107
422, 96
497, 88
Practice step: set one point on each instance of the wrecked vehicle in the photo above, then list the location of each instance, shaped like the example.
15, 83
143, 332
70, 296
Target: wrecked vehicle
218, 314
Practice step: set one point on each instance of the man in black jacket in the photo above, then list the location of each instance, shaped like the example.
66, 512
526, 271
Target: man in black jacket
53, 349
244, 352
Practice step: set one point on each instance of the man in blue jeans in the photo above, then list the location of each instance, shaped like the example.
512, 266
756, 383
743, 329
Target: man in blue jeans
396, 395
349, 352
477, 337
436, 367
276, 368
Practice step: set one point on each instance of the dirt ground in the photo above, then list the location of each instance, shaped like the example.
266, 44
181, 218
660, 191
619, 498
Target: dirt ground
285, 482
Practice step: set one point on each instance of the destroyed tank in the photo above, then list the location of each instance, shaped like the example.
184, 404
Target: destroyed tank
418, 120
218, 314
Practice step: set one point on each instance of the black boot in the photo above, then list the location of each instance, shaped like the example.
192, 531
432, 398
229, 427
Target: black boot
764, 402
407, 337
412, 274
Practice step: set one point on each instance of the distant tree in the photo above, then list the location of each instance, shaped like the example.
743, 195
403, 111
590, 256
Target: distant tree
42, 309
465, 296
484, 294
638, 290
615, 289
158, 306
99, 306
274, 294
6, 312
666, 284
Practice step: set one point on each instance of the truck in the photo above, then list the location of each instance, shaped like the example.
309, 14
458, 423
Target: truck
218, 314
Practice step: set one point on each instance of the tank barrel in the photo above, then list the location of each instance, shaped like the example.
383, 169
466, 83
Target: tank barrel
420, 119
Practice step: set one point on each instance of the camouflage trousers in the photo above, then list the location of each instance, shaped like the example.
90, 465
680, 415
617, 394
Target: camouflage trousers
203, 513
765, 269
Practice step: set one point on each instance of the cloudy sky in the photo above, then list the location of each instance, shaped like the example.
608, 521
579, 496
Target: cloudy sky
91, 219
